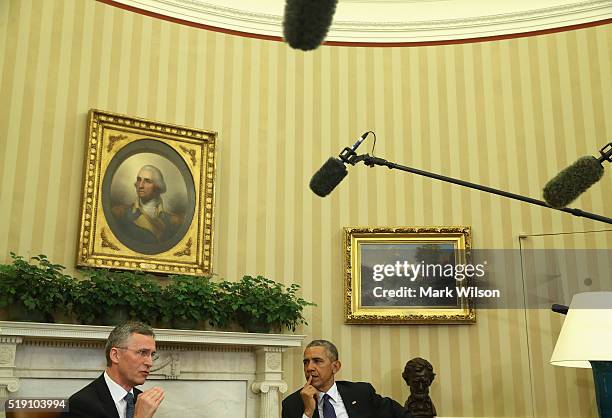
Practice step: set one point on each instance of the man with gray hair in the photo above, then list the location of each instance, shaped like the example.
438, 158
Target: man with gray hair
130, 352
324, 397
146, 220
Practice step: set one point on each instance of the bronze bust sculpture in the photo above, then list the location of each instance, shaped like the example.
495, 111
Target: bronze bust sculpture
419, 374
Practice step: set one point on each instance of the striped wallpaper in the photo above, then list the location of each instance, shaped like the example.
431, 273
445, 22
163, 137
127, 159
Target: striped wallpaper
507, 114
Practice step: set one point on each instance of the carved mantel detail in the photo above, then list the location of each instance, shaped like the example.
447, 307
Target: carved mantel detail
8, 381
269, 383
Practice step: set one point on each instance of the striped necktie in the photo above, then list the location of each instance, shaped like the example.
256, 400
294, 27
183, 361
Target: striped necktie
129, 411
328, 408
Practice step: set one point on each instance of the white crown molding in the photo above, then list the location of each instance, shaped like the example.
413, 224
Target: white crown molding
384, 21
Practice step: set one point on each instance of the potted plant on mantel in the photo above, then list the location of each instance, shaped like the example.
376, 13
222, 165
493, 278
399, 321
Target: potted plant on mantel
263, 305
39, 291
191, 302
106, 297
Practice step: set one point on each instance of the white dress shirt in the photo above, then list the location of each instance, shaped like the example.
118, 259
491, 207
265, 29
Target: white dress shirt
118, 394
335, 399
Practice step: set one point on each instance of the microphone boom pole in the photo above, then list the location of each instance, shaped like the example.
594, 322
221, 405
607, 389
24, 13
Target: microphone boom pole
352, 158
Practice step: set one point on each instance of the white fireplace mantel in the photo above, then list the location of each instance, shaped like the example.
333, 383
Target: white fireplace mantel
205, 373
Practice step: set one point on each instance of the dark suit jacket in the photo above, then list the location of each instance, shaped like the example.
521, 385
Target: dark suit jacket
359, 398
94, 401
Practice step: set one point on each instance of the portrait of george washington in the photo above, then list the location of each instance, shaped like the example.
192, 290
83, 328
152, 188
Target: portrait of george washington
148, 196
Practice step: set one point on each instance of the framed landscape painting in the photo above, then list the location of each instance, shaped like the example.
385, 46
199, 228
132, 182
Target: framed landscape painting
396, 275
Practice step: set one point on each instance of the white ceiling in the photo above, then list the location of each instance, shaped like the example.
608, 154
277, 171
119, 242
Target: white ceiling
392, 20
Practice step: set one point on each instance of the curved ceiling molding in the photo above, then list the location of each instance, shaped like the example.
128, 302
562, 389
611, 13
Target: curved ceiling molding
391, 21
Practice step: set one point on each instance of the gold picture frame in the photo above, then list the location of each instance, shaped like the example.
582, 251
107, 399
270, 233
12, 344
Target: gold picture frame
384, 284
148, 196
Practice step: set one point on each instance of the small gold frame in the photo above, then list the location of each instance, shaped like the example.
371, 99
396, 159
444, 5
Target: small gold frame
361, 305
119, 228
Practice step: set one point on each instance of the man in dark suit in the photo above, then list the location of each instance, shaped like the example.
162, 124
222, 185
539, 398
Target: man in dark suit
130, 352
323, 397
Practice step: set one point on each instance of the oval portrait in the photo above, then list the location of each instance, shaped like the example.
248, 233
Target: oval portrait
148, 196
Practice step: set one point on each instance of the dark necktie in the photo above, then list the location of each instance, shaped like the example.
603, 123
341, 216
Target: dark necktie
129, 411
328, 409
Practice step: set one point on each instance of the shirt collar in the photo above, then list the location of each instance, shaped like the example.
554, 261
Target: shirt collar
332, 392
116, 391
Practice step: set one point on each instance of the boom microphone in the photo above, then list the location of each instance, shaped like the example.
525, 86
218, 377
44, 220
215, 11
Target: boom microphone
333, 171
574, 180
328, 177
306, 22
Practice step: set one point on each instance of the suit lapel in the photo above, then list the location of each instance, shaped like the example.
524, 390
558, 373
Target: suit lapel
350, 401
316, 411
105, 398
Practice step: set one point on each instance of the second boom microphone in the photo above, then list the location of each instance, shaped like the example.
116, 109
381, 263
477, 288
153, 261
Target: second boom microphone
574, 180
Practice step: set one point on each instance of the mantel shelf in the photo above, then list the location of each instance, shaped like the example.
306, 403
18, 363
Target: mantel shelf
37, 331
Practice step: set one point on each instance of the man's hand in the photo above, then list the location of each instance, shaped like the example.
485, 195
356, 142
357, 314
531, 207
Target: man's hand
309, 396
148, 402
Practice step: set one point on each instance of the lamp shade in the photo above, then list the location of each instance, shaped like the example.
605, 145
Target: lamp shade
586, 334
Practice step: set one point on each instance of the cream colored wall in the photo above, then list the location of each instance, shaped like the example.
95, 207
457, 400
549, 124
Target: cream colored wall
507, 114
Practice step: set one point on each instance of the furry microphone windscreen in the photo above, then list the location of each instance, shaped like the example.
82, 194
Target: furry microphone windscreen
328, 177
566, 186
306, 22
